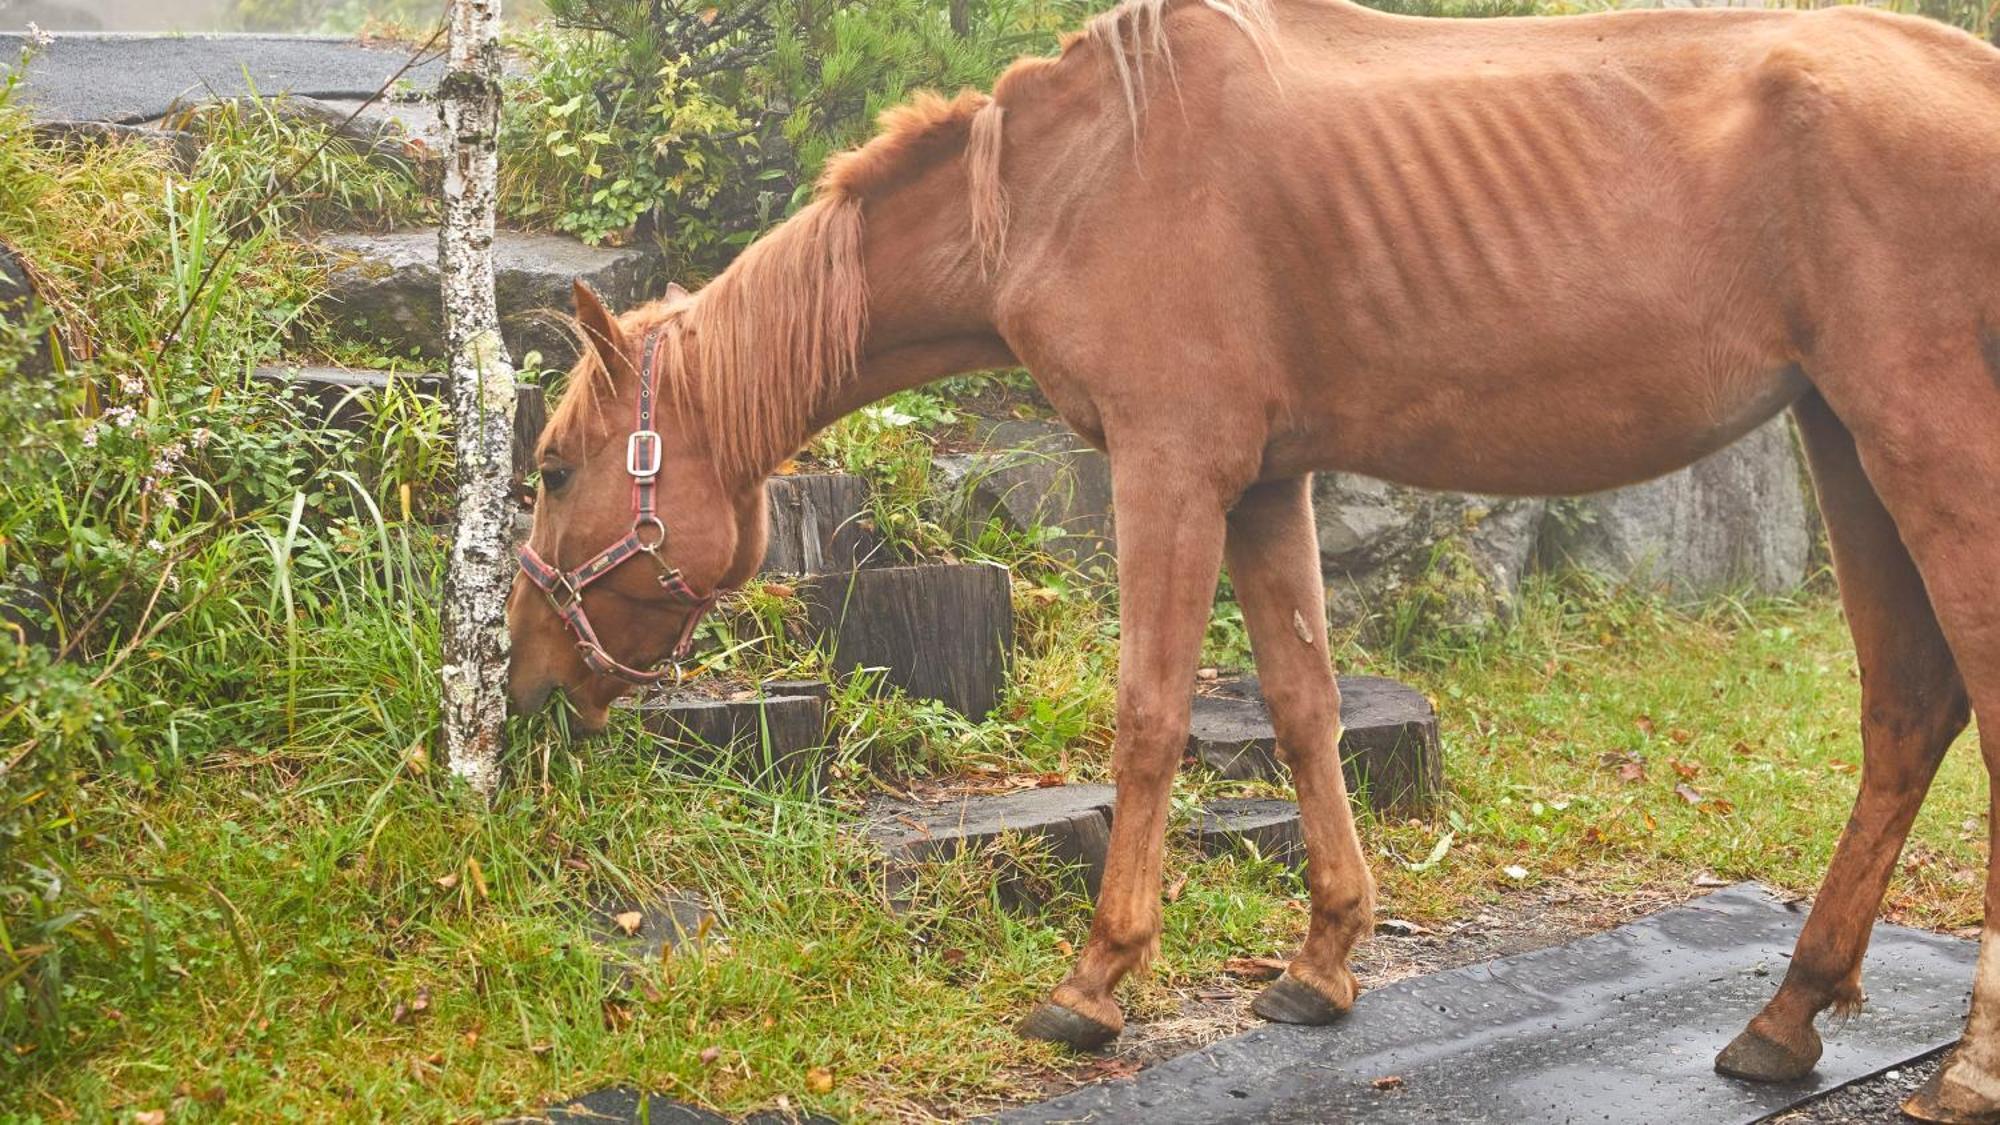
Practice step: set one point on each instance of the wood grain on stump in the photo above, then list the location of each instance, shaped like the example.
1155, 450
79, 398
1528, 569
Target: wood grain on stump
820, 523
1070, 824
943, 631
1389, 748
1266, 826
778, 738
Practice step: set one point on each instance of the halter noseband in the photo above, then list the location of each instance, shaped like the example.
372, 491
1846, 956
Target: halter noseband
564, 589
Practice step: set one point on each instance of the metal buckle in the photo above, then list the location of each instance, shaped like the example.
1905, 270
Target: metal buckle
561, 587
642, 454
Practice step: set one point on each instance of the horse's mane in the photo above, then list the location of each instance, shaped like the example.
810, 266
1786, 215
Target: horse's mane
762, 347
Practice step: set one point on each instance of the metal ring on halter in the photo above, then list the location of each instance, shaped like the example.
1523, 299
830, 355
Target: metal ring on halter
644, 522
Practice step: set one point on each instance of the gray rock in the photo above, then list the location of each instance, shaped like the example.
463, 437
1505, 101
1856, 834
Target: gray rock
132, 79
384, 287
668, 922
406, 133
1031, 474
1389, 748
1737, 520
1382, 545
1073, 823
820, 523
181, 147
1265, 826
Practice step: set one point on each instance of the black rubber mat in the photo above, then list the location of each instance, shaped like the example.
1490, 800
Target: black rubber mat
1616, 1027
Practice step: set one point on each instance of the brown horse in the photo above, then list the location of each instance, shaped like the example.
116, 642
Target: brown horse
1238, 242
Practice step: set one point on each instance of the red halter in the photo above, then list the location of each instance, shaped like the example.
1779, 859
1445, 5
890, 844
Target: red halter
565, 588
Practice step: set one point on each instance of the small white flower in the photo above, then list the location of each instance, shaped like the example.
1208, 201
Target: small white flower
91, 435
155, 546
132, 385
201, 437
170, 501
37, 38
122, 416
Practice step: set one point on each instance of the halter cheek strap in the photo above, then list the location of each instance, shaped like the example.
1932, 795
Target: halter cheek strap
648, 536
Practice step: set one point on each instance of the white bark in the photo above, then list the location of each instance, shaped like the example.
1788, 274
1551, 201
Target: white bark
482, 404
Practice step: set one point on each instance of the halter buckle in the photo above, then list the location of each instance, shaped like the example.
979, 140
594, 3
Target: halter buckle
642, 454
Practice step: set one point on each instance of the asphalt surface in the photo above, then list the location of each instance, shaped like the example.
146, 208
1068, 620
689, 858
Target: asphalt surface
133, 79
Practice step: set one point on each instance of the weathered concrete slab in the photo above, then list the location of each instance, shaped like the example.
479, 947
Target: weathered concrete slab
820, 523
136, 78
1738, 519
775, 738
1265, 826
1619, 1027
1389, 747
943, 631
1028, 475
1072, 822
385, 287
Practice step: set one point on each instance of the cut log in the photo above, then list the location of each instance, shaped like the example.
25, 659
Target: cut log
1265, 826
1389, 748
778, 738
820, 524
1033, 475
1072, 823
942, 632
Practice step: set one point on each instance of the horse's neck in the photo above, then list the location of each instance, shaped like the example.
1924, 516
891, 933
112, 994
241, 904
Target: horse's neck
929, 299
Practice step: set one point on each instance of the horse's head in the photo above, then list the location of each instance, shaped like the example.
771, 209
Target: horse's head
634, 534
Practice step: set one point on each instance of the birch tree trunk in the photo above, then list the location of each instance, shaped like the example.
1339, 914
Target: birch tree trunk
482, 404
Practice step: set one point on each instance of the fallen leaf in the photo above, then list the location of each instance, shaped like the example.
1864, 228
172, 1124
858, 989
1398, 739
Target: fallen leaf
1515, 872
541, 1050
1688, 793
1644, 723
1388, 1082
629, 921
150, 1117
1050, 781
953, 956
1208, 674
1707, 879
1175, 888
421, 1002
819, 1080
709, 1055
1631, 772
1064, 947
1681, 735
1117, 1067
1254, 968
1688, 770
780, 590
447, 882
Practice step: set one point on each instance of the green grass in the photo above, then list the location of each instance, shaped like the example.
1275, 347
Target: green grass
331, 850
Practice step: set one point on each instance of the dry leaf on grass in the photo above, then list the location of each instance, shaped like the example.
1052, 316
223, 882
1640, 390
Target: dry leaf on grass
1254, 968
819, 1080
629, 922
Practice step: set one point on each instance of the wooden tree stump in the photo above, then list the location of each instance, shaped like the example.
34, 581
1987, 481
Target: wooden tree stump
1072, 822
1264, 825
1389, 748
820, 524
779, 738
338, 393
943, 632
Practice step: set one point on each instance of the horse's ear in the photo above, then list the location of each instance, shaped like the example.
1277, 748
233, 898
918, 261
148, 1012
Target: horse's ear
601, 329
676, 292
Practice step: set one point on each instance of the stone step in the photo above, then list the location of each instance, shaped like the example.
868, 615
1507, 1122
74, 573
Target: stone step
943, 631
384, 288
1027, 475
665, 922
820, 523
1072, 822
1266, 826
1389, 749
778, 738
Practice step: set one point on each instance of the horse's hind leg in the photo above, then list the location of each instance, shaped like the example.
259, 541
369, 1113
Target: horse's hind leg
1912, 706
1923, 404
1273, 559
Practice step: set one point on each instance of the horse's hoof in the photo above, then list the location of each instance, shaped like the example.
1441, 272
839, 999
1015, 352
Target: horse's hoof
1949, 1103
1291, 1000
1753, 1056
1057, 1024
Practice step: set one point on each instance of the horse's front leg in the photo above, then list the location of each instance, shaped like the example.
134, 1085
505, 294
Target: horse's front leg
1171, 509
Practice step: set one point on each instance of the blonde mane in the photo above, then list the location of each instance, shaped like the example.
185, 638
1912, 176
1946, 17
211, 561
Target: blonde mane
764, 346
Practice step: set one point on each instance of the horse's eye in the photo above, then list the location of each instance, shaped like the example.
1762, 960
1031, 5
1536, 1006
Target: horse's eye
554, 479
